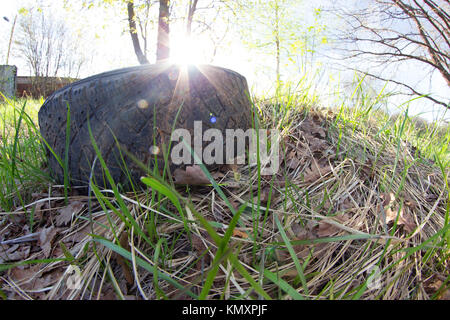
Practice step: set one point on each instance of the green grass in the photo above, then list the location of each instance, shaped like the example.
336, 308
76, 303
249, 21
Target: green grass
22, 155
177, 246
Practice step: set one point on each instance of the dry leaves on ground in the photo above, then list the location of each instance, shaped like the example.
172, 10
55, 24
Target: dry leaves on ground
65, 214
45, 240
193, 175
316, 172
434, 284
404, 218
326, 229
13, 253
240, 234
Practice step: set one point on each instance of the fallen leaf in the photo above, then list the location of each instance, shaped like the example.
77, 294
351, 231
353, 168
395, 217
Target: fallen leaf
316, 145
65, 214
434, 283
240, 234
386, 197
81, 233
38, 211
410, 202
407, 221
316, 172
108, 295
120, 260
326, 229
293, 163
193, 175
13, 253
46, 237
31, 279
429, 197
391, 211
265, 193
217, 175
310, 127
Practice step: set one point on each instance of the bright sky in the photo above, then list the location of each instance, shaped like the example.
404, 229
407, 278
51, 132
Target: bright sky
110, 47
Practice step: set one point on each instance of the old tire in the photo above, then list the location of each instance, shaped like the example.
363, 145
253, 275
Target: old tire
125, 104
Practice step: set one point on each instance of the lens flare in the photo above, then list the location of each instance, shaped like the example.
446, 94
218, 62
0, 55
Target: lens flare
186, 51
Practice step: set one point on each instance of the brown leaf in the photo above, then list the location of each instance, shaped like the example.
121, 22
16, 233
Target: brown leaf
46, 237
316, 172
312, 128
367, 172
38, 210
65, 214
410, 202
197, 244
13, 253
31, 278
407, 221
326, 229
80, 233
193, 175
108, 294
120, 260
217, 175
265, 193
317, 145
240, 234
429, 197
404, 218
434, 283
293, 163
387, 198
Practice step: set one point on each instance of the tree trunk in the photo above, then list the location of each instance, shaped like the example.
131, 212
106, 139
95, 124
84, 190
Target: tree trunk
163, 45
192, 8
277, 43
134, 36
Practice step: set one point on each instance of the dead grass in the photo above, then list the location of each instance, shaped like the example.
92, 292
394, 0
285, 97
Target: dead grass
366, 218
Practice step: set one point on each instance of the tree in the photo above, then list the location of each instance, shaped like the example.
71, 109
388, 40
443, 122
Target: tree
48, 46
263, 25
140, 54
163, 45
192, 7
391, 32
163, 37
277, 29
140, 22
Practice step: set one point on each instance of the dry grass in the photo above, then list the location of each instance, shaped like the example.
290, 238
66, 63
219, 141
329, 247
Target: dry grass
351, 197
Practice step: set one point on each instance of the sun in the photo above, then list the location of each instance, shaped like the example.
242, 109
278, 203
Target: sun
187, 50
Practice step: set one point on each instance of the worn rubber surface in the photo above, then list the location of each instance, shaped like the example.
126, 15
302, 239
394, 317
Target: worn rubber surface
138, 107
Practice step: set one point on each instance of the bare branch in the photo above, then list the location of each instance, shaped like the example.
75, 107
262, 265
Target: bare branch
397, 31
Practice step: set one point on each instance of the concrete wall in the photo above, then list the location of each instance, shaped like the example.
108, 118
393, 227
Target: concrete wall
8, 81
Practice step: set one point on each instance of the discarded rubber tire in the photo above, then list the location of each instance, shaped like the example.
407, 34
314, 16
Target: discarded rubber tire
122, 106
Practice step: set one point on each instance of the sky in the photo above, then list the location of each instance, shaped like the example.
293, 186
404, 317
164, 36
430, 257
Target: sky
109, 46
